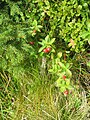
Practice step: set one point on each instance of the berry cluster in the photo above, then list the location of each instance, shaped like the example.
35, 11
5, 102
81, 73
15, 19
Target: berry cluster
47, 50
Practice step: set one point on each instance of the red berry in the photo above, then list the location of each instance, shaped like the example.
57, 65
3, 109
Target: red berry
45, 50
48, 49
34, 31
66, 92
64, 77
31, 43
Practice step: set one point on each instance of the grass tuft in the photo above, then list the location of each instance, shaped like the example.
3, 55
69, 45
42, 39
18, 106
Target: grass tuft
36, 98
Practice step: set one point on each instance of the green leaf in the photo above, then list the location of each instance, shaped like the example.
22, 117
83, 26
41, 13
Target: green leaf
85, 34
88, 64
14, 9
41, 43
1, 19
35, 23
59, 55
68, 72
47, 3
40, 50
52, 41
39, 26
89, 41
62, 89
67, 81
47, 38
88, 24
50, 70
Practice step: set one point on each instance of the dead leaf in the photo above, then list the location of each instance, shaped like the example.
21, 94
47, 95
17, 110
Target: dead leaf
72, 43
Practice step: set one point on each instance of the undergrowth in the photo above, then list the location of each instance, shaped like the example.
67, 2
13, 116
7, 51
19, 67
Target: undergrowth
35, 97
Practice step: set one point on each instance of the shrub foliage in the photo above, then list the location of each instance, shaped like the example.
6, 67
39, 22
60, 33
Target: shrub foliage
24, 21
